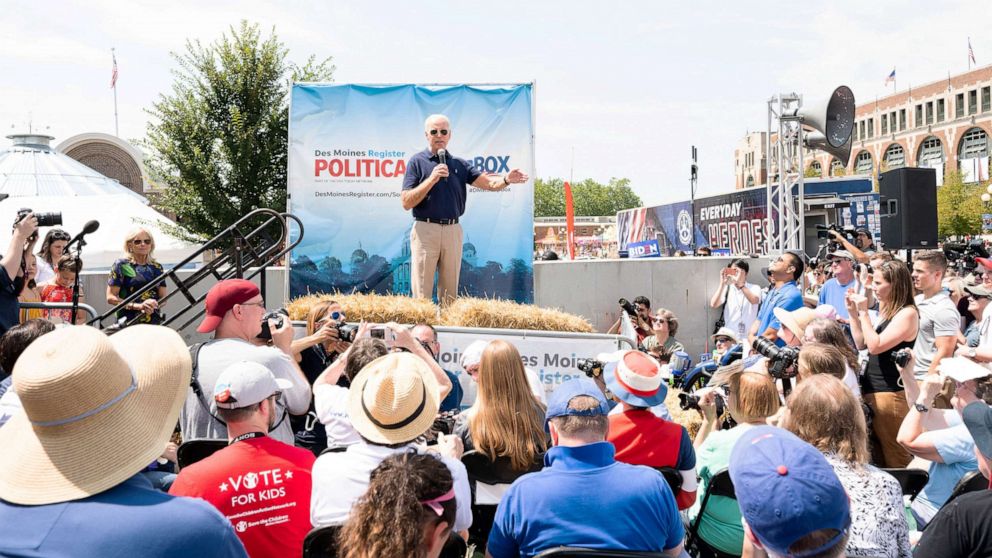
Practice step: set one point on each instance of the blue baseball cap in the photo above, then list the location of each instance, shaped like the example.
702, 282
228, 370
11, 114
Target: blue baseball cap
559, 399
635, 378
787, 490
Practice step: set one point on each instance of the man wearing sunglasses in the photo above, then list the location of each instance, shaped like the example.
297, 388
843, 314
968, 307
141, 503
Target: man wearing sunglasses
435, 188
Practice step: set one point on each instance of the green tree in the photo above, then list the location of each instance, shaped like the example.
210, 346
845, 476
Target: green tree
813, 172
218, 140
959, 206
591, 198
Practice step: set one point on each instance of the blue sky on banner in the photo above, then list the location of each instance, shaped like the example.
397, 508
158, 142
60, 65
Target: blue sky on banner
627, 87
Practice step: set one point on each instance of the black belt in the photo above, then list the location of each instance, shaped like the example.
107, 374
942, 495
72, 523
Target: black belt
437, 221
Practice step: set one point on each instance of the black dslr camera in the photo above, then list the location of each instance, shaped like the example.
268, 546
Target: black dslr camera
628, 307
347, 332
781, 360
901, 357
961, 257
45, 218
279, 315
590, 366
691, 401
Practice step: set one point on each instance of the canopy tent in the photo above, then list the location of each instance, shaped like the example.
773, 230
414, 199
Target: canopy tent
38, 177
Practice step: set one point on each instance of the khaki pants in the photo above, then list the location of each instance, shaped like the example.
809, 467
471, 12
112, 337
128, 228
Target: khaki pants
435, 247
890, 409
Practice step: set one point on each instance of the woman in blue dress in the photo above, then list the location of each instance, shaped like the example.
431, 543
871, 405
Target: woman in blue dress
131, 274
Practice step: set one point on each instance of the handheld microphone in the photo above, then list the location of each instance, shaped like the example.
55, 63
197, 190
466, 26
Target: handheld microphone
89, 227
442, 156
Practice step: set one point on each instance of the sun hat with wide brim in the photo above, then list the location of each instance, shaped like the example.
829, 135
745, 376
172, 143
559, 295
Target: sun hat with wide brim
635, 378
96, 410
797, 320
393, 399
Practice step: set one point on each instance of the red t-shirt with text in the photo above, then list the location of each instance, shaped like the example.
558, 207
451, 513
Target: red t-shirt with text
263, 487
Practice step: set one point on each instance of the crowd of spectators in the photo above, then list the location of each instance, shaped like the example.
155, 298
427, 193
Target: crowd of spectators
366, 437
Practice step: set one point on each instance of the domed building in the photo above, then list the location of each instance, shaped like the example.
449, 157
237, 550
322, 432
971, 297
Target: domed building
36, 176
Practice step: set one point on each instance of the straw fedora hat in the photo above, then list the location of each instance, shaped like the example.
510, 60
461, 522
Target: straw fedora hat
797, 320
97, 410
394, 399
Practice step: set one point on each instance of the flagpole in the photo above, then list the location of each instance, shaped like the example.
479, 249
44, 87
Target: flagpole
969, 54
117, 130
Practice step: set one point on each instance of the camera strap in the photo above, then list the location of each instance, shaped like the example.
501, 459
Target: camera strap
194, 383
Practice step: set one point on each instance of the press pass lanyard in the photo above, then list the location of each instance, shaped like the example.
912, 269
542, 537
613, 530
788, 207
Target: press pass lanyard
247, 436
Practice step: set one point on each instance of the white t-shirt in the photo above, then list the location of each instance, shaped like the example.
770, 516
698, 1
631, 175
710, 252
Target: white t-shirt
739, 314
331, 405
214, 357
45, 273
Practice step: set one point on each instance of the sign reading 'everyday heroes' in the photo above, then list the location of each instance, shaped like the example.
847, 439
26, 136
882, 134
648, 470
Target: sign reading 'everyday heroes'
349, 146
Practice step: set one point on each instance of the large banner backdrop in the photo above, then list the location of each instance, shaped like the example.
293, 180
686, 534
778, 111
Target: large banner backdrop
348, 150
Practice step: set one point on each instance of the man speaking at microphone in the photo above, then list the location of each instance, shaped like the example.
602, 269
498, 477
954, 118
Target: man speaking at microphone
435, 188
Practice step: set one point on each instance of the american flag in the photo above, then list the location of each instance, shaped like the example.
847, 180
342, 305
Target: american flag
891, 78
971, 53
113, 75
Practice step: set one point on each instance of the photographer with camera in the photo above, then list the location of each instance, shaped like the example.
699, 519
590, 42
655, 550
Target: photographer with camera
640, 317
897, 329
750, 397
863, 246
12, 264
738, 298
784, 272
235, 312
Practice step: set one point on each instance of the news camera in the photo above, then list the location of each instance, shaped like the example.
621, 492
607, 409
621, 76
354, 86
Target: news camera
961, 256
823, 232
627, 307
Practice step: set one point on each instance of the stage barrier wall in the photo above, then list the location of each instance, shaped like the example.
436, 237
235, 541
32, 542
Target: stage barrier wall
348, 150
682, 285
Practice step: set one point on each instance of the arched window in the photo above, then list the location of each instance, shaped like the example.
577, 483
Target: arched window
837, 168
973, 155
815, 170
750, 182
863, 164
895, 157
931, 156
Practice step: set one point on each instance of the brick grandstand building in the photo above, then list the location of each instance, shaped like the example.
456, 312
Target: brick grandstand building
944, 125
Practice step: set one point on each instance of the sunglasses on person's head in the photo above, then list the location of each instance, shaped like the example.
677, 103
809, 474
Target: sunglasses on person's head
141, 241
60, 236
436, 132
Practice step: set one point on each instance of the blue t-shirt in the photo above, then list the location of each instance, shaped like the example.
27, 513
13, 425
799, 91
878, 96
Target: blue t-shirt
957, 448
446, 200
453, 401
130, 519
788, 297
833, 293
585, 498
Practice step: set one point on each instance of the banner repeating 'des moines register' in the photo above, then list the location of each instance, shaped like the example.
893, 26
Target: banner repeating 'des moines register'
348, 150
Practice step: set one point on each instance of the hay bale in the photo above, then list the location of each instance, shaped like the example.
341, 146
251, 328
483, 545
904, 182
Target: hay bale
371, 308
504, 314
464, 312
690, 419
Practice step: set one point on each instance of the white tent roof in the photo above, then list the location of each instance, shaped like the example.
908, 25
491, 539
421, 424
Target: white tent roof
38, 177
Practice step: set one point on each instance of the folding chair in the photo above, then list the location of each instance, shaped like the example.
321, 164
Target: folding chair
673, 477
912, 481
970, 482
482, 470
191, 451
720, 485
321, 542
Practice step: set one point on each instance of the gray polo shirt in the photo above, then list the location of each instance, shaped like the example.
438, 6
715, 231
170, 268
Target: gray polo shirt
938, 318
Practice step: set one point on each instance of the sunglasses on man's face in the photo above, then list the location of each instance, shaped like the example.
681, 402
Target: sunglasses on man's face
723, 340
436, 132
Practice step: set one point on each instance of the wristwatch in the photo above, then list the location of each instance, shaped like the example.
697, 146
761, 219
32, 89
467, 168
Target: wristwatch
921, 408
971, 353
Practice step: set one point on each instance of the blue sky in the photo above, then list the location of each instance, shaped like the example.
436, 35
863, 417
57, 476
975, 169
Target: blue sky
625, 86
